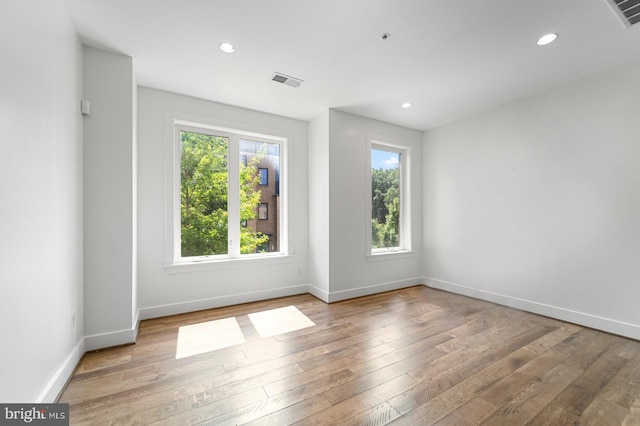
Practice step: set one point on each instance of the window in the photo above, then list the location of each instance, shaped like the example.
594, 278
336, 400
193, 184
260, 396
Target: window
264, 176
204, 188
220, 200
388, 212
263, 211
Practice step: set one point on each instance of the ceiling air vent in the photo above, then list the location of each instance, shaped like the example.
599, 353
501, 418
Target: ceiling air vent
627, 10
288, 80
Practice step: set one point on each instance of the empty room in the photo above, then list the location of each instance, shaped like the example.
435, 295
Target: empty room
342, 212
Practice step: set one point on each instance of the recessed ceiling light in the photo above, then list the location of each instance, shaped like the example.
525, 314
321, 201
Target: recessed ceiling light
546, 39
227, 47
406, 105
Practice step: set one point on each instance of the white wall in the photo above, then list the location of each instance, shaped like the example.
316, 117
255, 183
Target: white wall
319, 201
109, 204
537, 204
40, 200
350, 273
162, 293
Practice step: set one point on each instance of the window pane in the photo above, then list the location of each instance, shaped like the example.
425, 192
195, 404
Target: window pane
385, 199
203, 194
259, 197
264, 176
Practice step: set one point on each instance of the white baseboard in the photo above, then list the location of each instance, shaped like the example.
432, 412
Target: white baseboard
98, 341
59, 380
110, 339
319, 293
216, 302
336, 296
121, 337
592, 321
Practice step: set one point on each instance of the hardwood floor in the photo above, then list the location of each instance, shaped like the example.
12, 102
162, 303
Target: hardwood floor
416, 356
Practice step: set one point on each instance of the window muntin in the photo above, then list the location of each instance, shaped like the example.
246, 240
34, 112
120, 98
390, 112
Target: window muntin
219, 194
388, 204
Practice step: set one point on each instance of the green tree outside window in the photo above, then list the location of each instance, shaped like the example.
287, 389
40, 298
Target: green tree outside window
204, 187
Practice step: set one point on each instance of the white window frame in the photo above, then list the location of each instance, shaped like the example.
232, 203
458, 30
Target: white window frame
174, 261
387, 144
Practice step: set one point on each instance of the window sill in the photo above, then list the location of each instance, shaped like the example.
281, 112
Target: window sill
236, 263
390, 255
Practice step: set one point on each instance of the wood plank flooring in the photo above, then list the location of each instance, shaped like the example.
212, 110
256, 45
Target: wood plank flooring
416, 356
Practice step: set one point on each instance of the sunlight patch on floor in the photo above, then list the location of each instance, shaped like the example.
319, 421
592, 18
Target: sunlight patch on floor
279, 321
208, 336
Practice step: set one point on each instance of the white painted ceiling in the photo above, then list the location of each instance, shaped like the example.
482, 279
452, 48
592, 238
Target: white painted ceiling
449, 58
